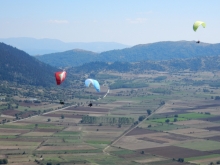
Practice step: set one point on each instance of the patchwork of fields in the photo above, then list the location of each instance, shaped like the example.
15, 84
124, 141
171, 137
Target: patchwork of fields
185, 124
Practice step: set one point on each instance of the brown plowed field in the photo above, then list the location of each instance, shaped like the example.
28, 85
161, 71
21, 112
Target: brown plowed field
214, 128
214, 138
25, 115
140, 131
133, 155
9, 130
46, 130
174, 152
13, 112
152, 140
29, 104
88, 109
215, 151
171, 114
23, 139
10, 112
65, 115
212, 119
175, 163
177, 137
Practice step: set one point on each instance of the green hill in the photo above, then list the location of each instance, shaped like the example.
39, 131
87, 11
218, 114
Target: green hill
74, 57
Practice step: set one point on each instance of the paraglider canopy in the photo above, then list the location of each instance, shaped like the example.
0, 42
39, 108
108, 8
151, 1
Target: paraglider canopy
197, 24
60, 77
95, 84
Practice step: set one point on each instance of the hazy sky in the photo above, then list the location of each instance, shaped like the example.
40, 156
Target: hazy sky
125, 21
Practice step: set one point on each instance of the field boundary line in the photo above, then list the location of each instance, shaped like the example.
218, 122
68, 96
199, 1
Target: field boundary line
129, 130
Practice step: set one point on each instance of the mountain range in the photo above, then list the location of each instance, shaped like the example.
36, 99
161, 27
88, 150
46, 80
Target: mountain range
17, 66
44, 46
155, 52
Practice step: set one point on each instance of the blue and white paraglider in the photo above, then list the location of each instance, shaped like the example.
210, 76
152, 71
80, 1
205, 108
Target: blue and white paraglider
95, 84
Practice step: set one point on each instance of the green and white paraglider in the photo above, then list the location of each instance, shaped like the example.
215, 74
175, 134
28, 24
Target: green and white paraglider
196, 26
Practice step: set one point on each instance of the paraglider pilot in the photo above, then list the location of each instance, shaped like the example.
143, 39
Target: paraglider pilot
90, 104
61, 102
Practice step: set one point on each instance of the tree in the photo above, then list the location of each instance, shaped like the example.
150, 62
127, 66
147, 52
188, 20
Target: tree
175, 120
217, 97
141, 118
136, 122
181, 160
3, 161
49, 163
36, 125
62, 116
149, 126
149, 112
16, 115
142, 152
167, 120
175, 115
48, 120
162, 102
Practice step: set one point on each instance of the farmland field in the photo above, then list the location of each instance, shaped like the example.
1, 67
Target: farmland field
171, 119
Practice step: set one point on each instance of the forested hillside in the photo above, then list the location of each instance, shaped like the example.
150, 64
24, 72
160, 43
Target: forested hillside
208, 63
74, 57
18, 66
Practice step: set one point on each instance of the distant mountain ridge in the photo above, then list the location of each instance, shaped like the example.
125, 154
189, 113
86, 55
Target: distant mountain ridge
68, 58
155, 52
207, 63
18, 66
44, 46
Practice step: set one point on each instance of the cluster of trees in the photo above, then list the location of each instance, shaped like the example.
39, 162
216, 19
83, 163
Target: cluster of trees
104, 76
160, 78
217, 97
127, 84
194, 64
3, 161
5, 89
141, 118
108, 120
161, 90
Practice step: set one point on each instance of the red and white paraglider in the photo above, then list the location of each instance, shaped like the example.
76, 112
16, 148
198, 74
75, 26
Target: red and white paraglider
60, 77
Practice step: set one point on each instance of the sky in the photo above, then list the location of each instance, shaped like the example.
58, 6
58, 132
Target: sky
129, 22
